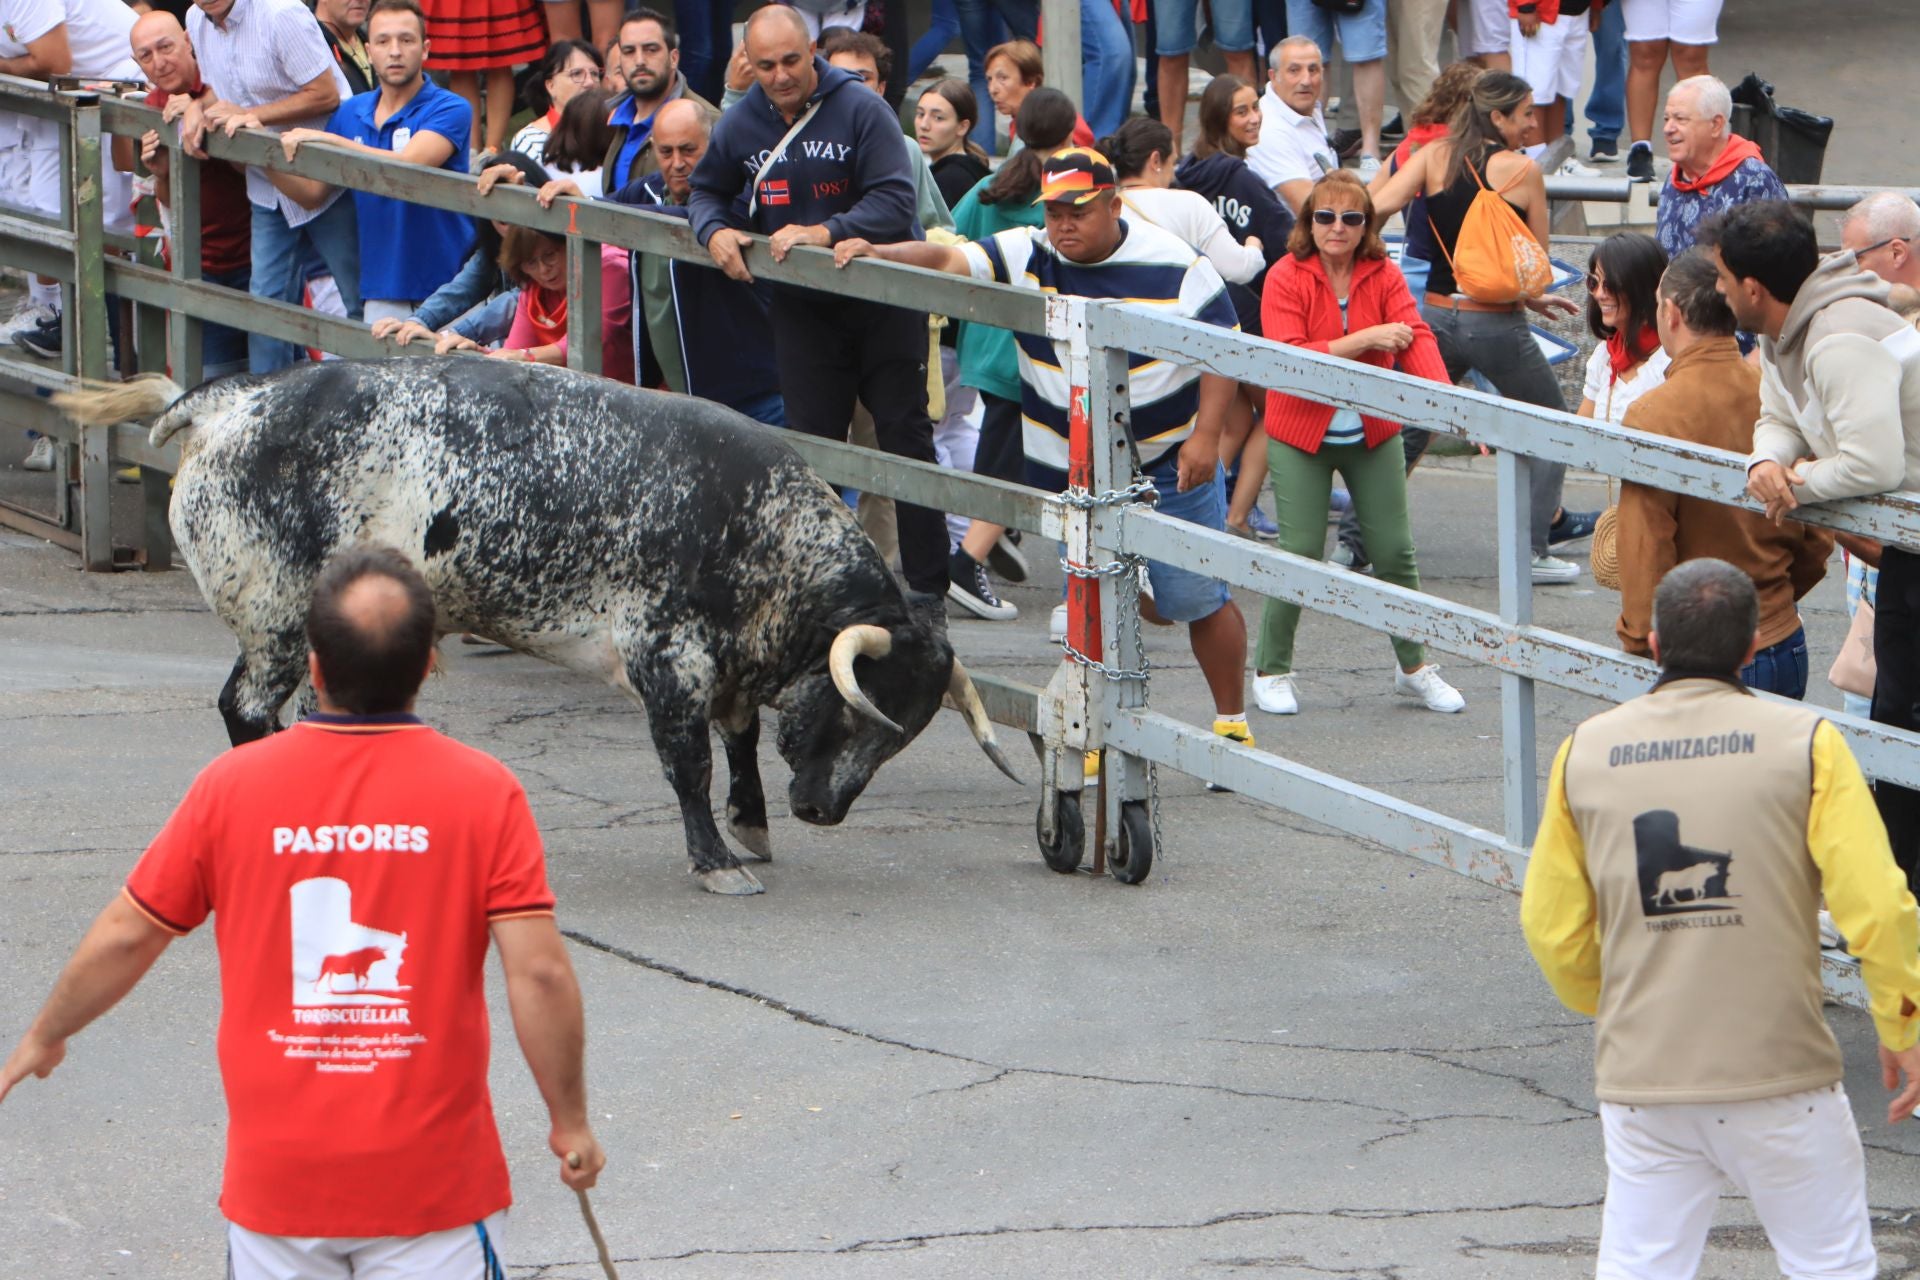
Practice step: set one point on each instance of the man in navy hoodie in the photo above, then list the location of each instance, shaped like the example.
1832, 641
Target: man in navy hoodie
819, 160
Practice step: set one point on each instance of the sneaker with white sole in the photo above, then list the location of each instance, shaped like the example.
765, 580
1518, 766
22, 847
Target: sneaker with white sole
1574, 169
1057, 625
967, 586
1276, 695
1004, 557
1426, 685
1234, 730
28, 315
1830, 937
1369, 168
40, 457
1552, 569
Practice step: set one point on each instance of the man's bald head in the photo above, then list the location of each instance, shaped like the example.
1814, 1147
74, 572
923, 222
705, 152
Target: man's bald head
679, 140
780, 51
371, 627
160, 46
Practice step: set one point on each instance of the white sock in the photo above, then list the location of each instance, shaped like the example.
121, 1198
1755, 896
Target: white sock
47, 295
1230, 721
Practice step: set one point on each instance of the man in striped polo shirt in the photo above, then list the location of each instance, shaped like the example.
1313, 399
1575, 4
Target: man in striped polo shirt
1090, 249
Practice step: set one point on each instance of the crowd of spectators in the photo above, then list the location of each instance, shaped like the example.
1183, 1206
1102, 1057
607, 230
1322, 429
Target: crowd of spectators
795, 131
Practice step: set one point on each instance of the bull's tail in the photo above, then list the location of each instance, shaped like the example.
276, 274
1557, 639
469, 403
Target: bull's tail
145, 396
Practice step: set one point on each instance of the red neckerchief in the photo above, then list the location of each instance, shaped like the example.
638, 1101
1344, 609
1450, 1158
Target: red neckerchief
1737, 150
1418, 136
1621, 357
548, 314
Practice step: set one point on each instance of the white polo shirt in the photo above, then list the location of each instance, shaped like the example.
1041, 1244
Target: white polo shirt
1291, 146
264, 51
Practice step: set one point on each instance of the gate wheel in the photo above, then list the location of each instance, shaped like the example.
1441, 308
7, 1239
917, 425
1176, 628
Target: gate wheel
1069, 832
1133, 851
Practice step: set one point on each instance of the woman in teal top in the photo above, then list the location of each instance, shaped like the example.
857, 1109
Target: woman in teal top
988, 363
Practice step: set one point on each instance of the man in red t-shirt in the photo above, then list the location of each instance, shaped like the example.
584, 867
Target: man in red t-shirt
355, 866
161, 47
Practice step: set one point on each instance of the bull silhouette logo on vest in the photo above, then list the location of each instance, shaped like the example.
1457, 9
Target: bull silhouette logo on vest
1677, 878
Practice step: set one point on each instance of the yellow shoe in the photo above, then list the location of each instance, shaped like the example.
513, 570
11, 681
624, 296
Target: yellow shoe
127, 475
1234, 730
1092, 766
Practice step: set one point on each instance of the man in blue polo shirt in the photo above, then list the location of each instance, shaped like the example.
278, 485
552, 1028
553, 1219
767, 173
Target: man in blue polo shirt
406, 250
648, 57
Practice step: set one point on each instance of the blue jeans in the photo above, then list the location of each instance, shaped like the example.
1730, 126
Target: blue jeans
1106, 52
770, 409
940, 33
1607, 103
1363, 37
1176, 31
278, 263
1780, 668
706, 42
224, 350
984, 24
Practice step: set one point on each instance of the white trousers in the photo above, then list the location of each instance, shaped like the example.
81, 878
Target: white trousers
463, 1253
1682, 21
1796, 1157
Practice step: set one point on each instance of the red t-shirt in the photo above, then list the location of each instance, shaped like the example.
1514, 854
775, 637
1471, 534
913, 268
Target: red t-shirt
353, 868
226, 217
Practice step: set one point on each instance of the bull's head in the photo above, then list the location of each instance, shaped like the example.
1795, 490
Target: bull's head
880, 689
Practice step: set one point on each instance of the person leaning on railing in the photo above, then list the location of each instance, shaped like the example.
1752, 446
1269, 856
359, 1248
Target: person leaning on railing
537, 262
1839, 418
1336, 293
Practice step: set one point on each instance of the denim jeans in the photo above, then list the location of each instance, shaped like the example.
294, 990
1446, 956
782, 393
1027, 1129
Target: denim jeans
940, 32
1780, 668
1607, 101
1106, 52
278, 262
1500, 345
706, 42
984, 24
223, 350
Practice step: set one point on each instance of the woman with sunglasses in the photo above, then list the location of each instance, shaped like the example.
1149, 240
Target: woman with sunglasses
1623, 285
1335, 292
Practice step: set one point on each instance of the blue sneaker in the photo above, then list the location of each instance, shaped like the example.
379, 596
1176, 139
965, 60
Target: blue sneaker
1263, 528
1338, 504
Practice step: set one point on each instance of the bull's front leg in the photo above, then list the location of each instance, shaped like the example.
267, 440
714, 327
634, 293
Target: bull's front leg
677, 718
746, 802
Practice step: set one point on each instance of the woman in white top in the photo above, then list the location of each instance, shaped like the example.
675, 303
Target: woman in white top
569, 67
1141, 152
1623, 284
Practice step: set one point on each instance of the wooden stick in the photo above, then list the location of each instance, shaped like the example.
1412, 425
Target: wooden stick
593, 1224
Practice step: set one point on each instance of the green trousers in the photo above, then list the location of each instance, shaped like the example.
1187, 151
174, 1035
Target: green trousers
1302, 489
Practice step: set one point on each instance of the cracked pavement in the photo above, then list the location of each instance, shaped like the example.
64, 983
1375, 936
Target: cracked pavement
1289, 1054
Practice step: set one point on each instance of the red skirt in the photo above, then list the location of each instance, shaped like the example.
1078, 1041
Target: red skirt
475, 35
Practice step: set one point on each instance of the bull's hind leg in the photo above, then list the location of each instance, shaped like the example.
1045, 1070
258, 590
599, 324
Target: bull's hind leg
677, 718
746, 802
262, 681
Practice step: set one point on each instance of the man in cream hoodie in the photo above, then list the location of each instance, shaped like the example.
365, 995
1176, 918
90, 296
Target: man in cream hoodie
1839, 418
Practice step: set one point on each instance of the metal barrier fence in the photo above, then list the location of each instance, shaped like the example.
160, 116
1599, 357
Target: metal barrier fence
1088, 704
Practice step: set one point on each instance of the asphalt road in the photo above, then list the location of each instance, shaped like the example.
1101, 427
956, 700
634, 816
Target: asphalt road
920, 1054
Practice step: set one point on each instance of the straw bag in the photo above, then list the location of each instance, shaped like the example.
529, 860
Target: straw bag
1605, 560
1853, 669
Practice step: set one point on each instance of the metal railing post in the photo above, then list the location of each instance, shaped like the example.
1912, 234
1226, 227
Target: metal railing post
1519, 772
1109, 409
183, 190
150, 348
87, 328
583, 303
1060, 56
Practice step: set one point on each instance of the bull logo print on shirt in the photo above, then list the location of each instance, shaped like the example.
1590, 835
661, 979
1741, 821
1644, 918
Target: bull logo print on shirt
336, 959
1676, 878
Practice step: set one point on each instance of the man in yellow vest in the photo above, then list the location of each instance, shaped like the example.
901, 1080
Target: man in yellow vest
1688, 837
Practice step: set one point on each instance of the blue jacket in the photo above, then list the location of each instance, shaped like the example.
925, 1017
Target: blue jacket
1249, 208
726, 339
846, 170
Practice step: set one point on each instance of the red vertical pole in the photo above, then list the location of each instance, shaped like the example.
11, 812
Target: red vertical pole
1083, 594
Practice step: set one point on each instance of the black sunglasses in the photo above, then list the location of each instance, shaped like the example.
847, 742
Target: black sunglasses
1347, 217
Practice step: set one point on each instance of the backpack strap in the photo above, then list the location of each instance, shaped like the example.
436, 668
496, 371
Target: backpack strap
1518, 175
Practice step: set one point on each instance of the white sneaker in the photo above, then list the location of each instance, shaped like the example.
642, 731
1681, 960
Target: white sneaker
28, 315
1551, 569
1426, 685
1369, 168
1574, 169
1057, 624
40, 457
1830, 939
1275, 695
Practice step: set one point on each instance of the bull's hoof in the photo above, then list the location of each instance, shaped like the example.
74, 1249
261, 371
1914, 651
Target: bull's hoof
753, 840
734, 882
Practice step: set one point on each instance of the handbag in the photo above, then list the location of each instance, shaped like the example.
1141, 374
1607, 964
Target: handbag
1853, 669
1604, 560
1345, 8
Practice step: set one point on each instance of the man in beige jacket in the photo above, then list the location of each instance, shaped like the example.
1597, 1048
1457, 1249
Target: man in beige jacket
1839, 418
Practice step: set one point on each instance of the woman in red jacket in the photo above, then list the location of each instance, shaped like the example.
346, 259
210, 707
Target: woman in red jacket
1335, 292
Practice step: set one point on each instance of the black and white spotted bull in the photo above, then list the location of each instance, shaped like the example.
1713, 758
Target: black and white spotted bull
664, 544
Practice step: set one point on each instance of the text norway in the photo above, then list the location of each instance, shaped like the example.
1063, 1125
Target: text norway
1661, 750
378, 837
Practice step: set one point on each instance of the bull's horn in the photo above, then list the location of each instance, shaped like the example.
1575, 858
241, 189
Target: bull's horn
966, 699
860, 640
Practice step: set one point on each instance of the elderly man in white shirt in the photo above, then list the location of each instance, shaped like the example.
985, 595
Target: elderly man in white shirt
266, 65
1293, 152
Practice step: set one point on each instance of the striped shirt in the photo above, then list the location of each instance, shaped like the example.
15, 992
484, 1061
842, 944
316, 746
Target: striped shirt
263, 51
1151, 268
